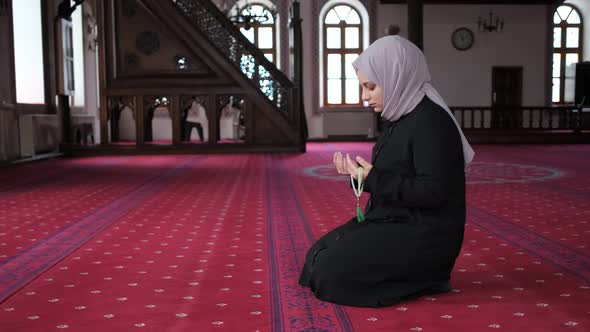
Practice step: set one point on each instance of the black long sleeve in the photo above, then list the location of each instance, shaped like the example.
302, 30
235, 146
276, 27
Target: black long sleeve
437, 165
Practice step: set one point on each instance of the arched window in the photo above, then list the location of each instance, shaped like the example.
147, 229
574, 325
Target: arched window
258, 23
29, 69
567, 51
78, 53
343, 39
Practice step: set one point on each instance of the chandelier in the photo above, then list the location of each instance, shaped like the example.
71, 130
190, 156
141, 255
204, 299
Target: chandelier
248, 14
494, 23
66, 8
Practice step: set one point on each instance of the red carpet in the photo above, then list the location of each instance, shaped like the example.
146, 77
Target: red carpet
39, 199
215, 243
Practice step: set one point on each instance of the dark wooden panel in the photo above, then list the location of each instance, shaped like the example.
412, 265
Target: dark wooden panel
145, 47
506, 86
7, 93
147, 149
582, 92
415, 22
140, 43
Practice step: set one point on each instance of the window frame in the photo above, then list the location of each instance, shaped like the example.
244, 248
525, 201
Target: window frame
48, 75
563, 50
342, 51
257, 25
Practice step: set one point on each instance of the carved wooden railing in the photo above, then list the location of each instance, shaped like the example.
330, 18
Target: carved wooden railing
177, 106
223, 34
522, 118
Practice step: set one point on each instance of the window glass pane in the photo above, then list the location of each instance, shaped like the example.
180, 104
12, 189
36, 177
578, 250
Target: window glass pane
342, 11
564, 12
334, 66
270, 19
267, 88
353, 17
556, 18
269, 57
332, 17
333, 38
569, 89
255, 10
266, 85
247, 64
557, 37
352, 91
570, 64
69, 64
574, 18
263, 72
78, 57
249, 34
348, 68
68, 57
69, 50
573, 37
28, 52
352, 37
556, 65
334, 91
265, 38
555, 90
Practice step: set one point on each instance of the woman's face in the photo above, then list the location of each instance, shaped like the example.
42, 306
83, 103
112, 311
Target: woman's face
371, 93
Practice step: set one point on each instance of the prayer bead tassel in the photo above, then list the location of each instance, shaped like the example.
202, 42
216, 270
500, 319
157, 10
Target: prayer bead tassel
360, 217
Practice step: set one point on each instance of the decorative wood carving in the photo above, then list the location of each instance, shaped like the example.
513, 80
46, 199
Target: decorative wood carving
155, 101
3, 7
222, 101
237, 49
131, 60
148, 42
120, 102
129, 8
187, 101
116, 105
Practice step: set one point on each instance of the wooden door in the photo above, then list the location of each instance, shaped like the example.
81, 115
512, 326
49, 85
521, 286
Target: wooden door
506, 97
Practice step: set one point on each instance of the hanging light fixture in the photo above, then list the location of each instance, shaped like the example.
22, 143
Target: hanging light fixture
494, 23
246, 16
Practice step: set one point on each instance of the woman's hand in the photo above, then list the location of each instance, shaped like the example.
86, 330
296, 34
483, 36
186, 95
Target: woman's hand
346, 166
353, 168
340, 164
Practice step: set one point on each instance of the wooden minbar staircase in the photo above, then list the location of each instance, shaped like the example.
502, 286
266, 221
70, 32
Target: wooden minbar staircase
174, 55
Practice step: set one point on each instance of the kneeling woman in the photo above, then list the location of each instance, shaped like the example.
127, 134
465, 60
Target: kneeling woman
408, 242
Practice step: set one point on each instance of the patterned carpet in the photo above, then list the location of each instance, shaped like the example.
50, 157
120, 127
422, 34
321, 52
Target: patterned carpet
215, 243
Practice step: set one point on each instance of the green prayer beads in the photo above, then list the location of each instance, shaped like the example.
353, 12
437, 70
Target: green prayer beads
360, 216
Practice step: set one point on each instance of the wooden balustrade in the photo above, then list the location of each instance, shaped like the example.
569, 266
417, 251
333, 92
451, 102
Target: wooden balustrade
556, 118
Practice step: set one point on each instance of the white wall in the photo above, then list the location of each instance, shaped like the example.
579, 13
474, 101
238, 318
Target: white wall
345, 124
28, 52
315, 121
584, 7
78, 39
161, 124
91, 100
392, 14
127, 125
462, 78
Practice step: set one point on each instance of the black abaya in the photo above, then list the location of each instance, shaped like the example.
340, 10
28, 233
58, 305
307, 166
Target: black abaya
414, 229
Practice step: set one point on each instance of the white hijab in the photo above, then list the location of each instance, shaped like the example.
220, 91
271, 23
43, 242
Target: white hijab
400, 69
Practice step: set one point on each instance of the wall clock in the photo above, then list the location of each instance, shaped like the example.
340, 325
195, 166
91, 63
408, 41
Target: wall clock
462, 38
